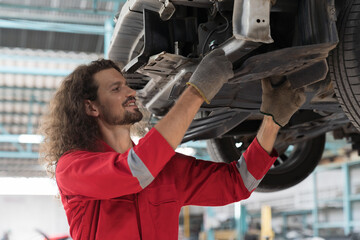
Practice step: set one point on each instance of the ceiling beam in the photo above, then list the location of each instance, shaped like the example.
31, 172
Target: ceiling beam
28, 88
8, 154
50, 17
21, 138
34, 71
52, 26
35, 58
62, 10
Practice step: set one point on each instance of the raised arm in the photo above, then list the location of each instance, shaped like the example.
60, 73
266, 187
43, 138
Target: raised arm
214, 184
174, 125
213, 71
267, 133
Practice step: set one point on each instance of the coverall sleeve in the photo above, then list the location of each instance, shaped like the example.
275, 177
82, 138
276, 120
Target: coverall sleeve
104, 175
206, 183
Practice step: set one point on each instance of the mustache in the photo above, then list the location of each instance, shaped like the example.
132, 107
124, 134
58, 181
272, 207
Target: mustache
129, 99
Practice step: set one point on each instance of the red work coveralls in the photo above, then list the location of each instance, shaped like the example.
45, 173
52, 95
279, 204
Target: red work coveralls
139, 194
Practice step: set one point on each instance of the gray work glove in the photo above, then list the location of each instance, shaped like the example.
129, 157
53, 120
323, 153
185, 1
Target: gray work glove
280, 102
213, 71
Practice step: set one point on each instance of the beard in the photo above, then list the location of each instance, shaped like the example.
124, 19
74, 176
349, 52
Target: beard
127, 118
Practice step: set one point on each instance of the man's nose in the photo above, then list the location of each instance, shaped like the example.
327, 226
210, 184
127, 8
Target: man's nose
130, 91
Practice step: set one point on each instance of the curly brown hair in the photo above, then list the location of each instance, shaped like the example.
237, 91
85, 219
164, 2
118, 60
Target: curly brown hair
67, 126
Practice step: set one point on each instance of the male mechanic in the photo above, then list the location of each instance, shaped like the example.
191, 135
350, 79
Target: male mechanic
113, 189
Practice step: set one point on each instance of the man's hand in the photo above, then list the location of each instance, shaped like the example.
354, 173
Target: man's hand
281, 102
213, 71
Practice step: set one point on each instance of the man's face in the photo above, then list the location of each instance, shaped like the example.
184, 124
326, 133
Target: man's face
116, 100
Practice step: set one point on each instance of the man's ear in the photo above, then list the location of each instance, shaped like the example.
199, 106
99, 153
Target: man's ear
90, 108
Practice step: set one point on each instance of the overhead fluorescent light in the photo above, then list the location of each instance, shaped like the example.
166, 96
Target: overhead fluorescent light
27, 186
30, 138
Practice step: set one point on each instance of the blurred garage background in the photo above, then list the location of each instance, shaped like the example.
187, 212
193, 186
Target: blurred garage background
44, 40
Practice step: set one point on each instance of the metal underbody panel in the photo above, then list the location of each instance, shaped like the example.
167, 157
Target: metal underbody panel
303, 63
169, 73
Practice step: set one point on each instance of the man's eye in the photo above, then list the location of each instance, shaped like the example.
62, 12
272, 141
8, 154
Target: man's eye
116, 89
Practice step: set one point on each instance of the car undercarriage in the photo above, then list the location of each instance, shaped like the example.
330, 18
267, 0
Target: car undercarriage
311, 43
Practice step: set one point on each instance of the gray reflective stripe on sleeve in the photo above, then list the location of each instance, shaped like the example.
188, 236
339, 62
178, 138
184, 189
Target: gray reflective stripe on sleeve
249, 181
139, 169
